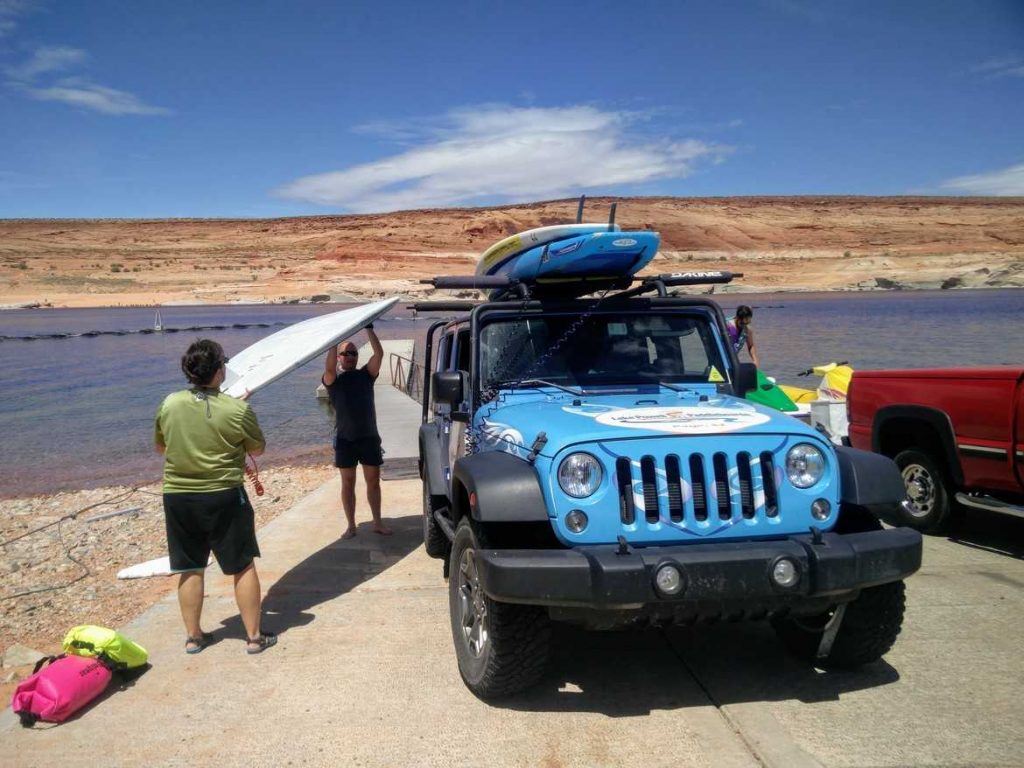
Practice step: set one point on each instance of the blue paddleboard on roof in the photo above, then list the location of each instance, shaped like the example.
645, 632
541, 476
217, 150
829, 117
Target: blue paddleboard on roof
591, 255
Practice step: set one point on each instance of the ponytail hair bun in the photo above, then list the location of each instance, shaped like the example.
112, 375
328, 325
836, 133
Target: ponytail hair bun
202, 361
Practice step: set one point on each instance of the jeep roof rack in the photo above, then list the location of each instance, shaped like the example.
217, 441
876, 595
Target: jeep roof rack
511, 289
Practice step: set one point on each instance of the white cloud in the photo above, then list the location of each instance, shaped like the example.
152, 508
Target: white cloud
1005, 66
507, 153
99, 98
10, 10
51, 58
35, 76
1008, 182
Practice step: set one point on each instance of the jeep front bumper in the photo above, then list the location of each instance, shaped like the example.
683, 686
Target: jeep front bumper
716, 578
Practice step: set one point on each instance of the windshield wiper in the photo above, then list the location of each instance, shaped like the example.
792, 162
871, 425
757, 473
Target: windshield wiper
534, 382
657, 378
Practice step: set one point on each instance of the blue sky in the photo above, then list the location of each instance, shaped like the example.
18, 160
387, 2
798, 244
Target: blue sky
158, 109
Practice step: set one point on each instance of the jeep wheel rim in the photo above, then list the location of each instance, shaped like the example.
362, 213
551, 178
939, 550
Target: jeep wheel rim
920, 490
472, 606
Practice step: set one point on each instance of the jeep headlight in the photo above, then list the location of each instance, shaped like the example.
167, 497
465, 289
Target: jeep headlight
579, 474
805, 465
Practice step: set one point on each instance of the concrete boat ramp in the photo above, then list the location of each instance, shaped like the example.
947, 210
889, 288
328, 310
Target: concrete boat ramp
364, 673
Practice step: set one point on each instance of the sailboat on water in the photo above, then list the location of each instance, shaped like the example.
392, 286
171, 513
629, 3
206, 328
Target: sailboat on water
158, 323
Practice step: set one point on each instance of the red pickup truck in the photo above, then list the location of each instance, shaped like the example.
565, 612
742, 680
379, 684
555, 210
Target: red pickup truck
957, 435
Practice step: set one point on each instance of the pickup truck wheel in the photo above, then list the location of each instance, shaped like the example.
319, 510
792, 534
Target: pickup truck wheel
434, 540
868, 629
928, 491
501, 648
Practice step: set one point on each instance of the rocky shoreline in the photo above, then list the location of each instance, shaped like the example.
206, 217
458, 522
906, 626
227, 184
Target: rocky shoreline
779, 244
99, 549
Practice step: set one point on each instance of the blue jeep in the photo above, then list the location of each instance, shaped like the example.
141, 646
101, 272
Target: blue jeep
592, 460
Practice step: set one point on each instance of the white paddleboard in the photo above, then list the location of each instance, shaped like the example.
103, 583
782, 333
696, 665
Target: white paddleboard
279, 353
503, 250
161, 566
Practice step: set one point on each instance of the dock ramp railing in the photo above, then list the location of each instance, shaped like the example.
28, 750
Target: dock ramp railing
406, 376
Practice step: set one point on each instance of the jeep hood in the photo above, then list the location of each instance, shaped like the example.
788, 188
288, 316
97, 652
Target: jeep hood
515, 421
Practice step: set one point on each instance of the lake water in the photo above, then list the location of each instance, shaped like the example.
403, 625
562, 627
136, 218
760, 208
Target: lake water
78, 412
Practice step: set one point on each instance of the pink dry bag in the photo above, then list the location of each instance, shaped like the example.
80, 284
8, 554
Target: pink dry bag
55, 693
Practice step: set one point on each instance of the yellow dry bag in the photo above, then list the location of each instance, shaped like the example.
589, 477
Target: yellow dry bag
112, 646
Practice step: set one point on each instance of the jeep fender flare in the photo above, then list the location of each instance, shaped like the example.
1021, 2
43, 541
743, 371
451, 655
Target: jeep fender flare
432, 460
932, 417
869, 480
505, 488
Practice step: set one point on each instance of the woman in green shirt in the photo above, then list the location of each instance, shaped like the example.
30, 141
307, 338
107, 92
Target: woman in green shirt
204, 436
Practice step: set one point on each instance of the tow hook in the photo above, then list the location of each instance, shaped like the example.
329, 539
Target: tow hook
831, 630
623, 546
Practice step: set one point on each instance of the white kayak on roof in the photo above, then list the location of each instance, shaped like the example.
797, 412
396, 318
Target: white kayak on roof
272, 357
503, 250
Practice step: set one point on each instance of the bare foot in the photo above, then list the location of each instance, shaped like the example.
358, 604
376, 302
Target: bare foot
382, 529
350, 533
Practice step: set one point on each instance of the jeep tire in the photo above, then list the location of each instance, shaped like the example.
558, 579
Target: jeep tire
434, 540
928, 490
501, 648
867, 632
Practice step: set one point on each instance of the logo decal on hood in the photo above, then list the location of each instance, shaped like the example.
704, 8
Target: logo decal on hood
683, 420
502, 437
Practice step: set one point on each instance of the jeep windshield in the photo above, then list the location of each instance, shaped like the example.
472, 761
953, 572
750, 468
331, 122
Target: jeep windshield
613, 348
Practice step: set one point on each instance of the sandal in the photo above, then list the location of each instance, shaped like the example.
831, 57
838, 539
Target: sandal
198, 643
261, 643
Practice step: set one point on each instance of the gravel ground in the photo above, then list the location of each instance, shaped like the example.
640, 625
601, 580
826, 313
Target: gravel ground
93, 594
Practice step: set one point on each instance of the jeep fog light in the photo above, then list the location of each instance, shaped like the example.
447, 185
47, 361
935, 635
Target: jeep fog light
579, 474
785, 573
576, 521
805, 465
821, 509
668, 580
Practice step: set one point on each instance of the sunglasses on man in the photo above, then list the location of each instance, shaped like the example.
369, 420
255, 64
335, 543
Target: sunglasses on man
349, 353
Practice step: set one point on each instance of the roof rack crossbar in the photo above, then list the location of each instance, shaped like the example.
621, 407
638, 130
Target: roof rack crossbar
714, 277
471, 281
660, 283
442, 306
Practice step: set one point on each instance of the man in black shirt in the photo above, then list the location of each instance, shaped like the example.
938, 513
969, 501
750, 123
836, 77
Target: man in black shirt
357, 441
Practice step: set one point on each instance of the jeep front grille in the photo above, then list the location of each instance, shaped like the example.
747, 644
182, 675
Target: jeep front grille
697, 487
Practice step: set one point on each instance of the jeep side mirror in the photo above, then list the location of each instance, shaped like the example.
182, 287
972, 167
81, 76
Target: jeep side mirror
746, 379
447, 387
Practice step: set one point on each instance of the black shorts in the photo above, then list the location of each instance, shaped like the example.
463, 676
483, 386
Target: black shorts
365, 451
222, 521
